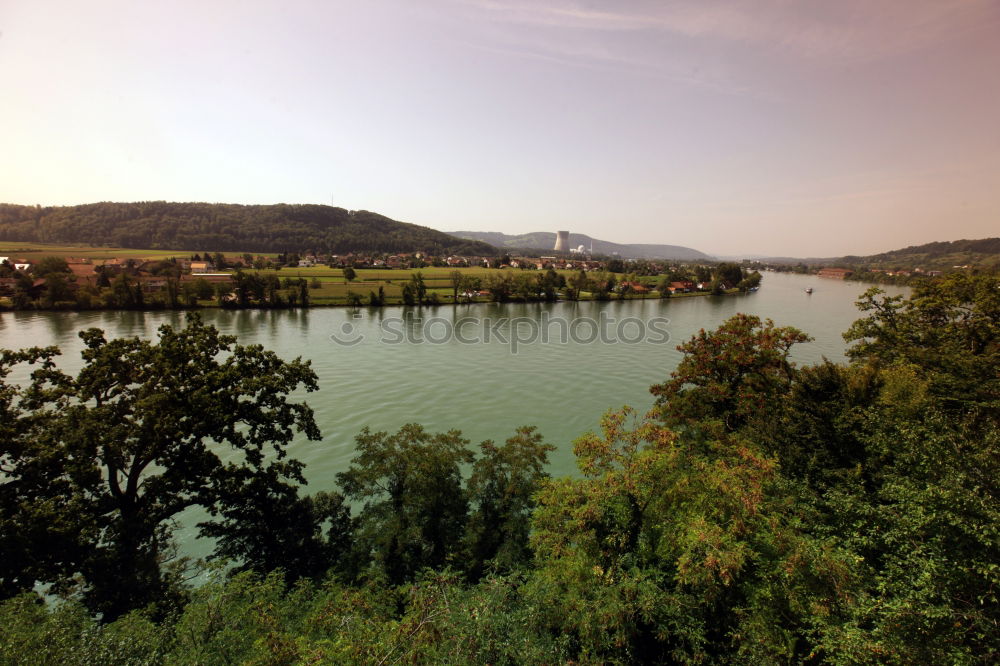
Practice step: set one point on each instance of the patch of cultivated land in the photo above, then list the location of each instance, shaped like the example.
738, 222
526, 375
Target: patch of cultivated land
333, 288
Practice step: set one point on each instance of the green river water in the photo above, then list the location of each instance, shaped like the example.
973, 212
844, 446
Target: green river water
403, 366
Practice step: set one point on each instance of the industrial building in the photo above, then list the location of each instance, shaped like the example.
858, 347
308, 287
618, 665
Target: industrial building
562, 241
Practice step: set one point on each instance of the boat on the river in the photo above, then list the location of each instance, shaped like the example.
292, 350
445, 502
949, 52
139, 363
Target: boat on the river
809, 290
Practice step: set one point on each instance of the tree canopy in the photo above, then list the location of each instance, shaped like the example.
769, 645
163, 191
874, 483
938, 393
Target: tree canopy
761, 512
227, 227
105, 460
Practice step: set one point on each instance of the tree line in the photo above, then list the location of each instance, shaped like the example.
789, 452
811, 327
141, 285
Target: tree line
126, 287
761, 512
227, 228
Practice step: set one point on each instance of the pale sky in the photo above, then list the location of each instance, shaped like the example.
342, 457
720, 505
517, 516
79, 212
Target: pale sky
782, 127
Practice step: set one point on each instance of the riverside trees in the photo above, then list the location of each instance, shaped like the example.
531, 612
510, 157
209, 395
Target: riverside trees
416, 512
764, 513
95, 467
890, 462
761, 513
729, 374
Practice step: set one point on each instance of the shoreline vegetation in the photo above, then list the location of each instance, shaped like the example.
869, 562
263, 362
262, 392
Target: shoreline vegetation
761, 512
213, 304
51, 277
75, 283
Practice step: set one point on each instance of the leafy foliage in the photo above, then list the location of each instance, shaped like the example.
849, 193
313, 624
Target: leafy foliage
729, 374
949, 331
414, 505
133, 440
761, 513
501, 488
664, 553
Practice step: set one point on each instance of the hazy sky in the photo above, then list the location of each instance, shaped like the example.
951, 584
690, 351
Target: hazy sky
767, 126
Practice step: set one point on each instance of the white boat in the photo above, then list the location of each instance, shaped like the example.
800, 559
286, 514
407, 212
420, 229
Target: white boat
809, 290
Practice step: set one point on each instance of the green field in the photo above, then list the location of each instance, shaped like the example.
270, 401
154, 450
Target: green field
395, 275
335, 288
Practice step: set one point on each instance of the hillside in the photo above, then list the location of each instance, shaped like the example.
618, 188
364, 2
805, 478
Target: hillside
227, 228
941, 254
545, 240
937, 255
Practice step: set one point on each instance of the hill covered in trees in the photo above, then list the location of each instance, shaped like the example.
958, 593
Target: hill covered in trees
940, 254
546, 240
227, 228
984, 252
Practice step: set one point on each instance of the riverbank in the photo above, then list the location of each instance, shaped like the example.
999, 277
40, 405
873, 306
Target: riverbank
215, 305
54, 283
299, 293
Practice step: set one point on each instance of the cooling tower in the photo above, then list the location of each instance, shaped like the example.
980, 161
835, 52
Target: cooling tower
562, 241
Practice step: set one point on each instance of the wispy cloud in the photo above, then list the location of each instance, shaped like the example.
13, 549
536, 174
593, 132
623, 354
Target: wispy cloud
601, 40
601, 59
563, 15
846, 30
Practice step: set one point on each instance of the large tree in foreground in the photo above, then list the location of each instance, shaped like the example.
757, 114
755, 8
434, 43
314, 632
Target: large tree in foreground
143, 432
501, 491
414, 507
417, 513
43, 526
660, 552
730, 374
948, 331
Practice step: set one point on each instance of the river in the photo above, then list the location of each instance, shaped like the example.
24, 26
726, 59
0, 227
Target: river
386, 367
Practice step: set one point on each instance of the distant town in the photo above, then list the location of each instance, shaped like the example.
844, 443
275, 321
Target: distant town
136, 280
40, 276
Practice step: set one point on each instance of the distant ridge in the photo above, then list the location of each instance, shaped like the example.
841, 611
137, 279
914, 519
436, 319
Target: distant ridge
960, 252
227, 228
939, 254
545, 240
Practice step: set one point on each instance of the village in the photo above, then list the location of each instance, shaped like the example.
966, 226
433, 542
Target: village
139, 279
134, 280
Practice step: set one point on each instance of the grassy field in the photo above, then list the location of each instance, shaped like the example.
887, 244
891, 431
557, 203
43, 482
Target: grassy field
334, 288
394, 275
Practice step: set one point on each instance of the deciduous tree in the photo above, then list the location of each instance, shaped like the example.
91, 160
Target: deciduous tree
501, 491
414, 507
729, 374
146, 430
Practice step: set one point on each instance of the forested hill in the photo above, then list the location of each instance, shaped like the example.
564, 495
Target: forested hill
938, 254
227, 228
545, 240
